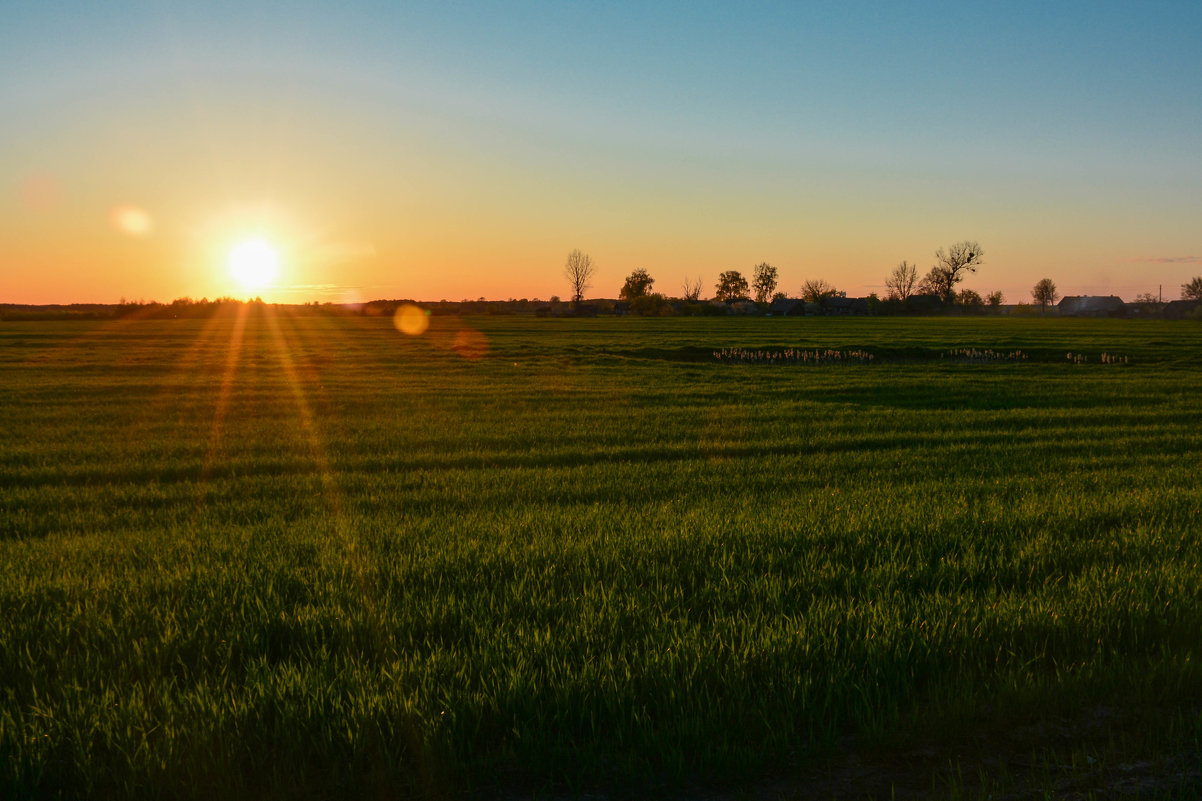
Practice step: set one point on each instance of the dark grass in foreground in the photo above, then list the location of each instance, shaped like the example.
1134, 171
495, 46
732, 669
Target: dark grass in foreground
270, 555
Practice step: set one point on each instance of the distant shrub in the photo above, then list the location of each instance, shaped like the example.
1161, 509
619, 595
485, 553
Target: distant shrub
652, 305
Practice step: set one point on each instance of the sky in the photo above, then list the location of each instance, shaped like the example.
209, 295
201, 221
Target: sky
460, 150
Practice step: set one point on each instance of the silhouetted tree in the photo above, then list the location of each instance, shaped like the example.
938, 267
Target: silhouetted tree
901, 281
931, 283
731, 286
815, 289
764, 282
995, 299
1148, 302
1192, 290
950, 266
1044, 292
637, 284
579, 270
970, 299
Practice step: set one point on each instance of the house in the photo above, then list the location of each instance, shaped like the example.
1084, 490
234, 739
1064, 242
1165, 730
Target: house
1092, 306
843, 305
1182, 309
924, 304
783, 307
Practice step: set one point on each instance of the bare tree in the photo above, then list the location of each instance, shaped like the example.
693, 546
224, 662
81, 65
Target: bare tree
731, 286
764, 282
931, 283
579, 270
950, 266
1193, 289
815, 289
692, 288
1044, 292
901, 281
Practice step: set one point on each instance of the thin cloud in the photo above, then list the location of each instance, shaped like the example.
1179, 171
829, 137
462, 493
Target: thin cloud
317, 289
1169, 260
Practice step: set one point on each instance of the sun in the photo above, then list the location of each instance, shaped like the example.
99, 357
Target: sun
254, 263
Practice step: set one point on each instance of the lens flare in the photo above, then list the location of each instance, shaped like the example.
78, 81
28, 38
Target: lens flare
411, 320
131, 220
470, 344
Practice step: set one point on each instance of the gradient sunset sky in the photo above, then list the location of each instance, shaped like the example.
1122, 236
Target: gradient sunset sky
457, 150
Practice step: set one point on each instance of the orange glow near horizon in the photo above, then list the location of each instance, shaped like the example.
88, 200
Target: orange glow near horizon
79, 248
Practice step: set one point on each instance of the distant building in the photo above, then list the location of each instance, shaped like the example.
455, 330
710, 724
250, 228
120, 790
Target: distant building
924, 304
841, 305
783, 307
1182, 309
1092, 306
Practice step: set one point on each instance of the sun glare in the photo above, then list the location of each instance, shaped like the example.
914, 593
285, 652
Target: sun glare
254, 263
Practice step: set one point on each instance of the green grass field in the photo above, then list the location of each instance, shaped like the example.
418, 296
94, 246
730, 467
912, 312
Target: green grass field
270, 555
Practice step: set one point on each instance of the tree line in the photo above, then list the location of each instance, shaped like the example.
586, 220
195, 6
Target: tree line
952, 265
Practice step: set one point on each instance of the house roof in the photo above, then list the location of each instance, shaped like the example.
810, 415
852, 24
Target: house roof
1090, 303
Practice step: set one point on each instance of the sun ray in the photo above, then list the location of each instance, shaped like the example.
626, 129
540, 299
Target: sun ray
103, 330
188, 370
187, 374
343, 531
225, 389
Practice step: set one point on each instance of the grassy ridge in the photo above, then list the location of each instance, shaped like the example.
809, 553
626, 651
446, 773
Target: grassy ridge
282, 555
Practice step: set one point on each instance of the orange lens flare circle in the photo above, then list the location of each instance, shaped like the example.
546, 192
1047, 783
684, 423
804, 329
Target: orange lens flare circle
470, 344
411, 320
